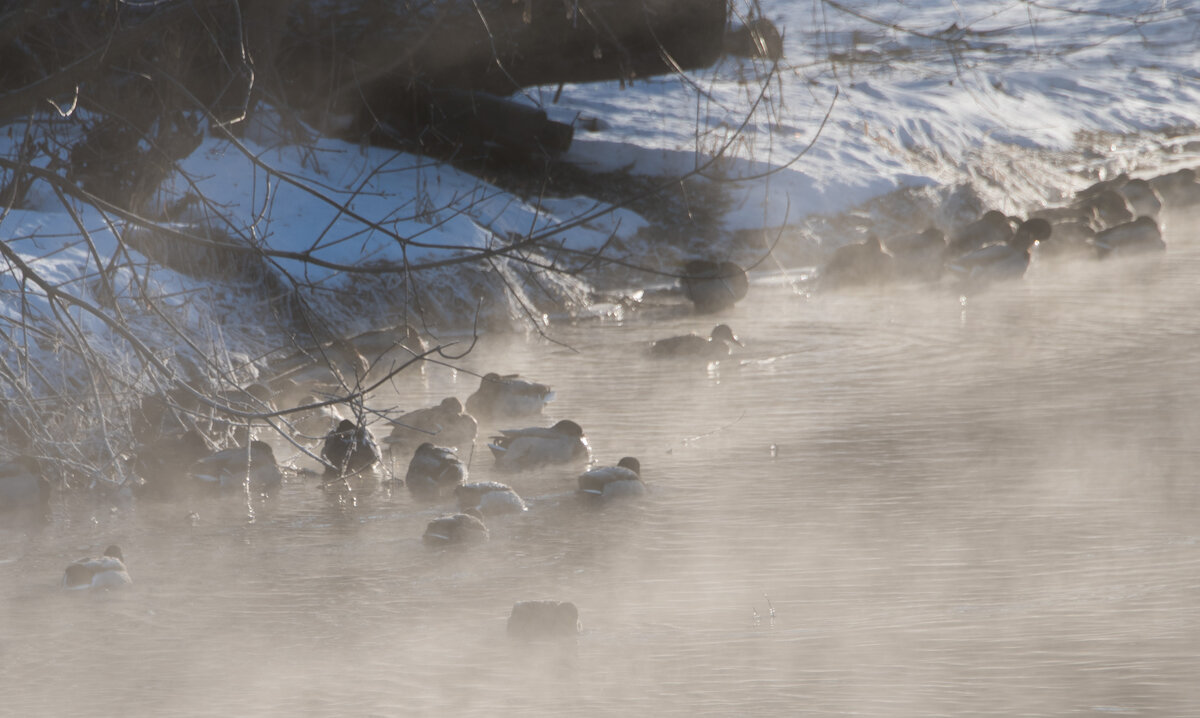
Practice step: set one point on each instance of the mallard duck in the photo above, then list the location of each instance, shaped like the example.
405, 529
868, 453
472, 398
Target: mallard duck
713, 286
103, 572
1178, 190
232, 468
488, 498
624, 479
1109, 207
317, 422
1140, 235
1001, 261
543, 620
1142, 198
860, 264
432, 470
349, 449
533, 447
445, 423
1068, 240
467, 527
993, 227
377, 342
508, 396
715, 346
918, 255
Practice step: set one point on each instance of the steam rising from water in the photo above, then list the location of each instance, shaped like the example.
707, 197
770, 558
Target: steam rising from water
985, 508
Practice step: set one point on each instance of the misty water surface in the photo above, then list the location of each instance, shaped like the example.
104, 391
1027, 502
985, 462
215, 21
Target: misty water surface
890, 504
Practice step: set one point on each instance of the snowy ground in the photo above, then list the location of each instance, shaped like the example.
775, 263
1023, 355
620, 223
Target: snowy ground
1021, 102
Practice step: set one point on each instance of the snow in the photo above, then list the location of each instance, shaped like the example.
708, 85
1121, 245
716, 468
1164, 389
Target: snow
872, 95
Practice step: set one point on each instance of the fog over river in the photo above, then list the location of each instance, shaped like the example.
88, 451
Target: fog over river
894, 503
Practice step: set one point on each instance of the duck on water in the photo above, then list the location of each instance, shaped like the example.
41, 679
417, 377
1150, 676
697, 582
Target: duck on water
718, 345
535, 446
102, 572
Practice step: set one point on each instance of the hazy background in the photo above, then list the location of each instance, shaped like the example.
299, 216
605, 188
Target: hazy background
979, 507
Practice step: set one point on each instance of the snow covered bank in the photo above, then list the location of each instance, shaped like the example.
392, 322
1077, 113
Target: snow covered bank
916, 93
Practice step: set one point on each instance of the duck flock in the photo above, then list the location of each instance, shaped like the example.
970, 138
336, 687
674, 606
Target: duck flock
1111, 218
174, 459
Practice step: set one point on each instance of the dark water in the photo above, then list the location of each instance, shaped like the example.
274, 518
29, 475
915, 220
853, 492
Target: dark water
891, 504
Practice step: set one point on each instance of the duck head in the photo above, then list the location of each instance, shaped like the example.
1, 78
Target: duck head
723, 332
569, 428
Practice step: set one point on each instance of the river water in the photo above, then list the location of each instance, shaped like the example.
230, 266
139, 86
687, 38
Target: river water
893, 503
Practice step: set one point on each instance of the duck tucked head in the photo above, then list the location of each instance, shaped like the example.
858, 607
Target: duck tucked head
107, 571
631, 463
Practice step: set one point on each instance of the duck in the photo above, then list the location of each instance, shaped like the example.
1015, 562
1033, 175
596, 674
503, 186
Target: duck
466, 527
859, 264
102, 572
993, 227
349, 449
717, 345
315, 423
624, 479
489, 498
1068, 240
1001, 261
378, 342
446, 423
532, 620
22, 487
535, 446
233, 468
1109, 207
1112, 184
432, 470
508, 396
329, 368
1178, 190
713, 286
1136, 237
1142, 198
918, 255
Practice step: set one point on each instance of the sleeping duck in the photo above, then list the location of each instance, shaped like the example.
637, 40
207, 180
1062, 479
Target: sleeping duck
233, 468
1140, 235
349, 449
509, 396
534, 447
1178, 190
103, 572
715, 346
862, 264
918, 255
1142, 198
1109, 207
445, 423
489, 498
993, 227
1001, 261
433, 469
624, 479
467, 527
